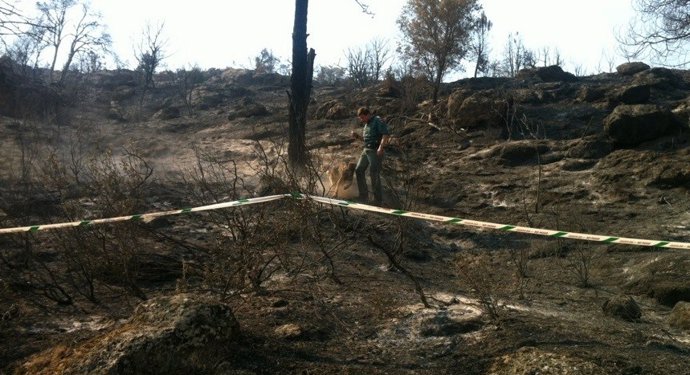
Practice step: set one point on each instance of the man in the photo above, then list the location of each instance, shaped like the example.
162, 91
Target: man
375, 136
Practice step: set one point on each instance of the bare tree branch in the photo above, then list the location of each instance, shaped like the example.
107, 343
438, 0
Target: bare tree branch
660, 31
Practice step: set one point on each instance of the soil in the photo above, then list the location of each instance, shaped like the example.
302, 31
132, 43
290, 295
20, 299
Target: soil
353, 291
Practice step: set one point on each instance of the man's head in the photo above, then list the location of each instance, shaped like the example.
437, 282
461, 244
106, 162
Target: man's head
363, 114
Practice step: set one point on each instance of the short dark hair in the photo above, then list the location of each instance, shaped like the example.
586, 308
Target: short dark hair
363, 111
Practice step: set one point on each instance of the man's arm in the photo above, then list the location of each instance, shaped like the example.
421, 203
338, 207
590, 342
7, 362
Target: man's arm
382, 145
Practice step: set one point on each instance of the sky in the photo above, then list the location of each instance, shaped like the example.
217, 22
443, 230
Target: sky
220, 34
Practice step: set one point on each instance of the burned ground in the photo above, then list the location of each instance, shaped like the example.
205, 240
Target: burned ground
316, 288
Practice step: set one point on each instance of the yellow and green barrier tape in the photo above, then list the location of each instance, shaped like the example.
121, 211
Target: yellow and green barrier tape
366, 207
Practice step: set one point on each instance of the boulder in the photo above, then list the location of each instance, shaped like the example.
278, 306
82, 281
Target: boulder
553, 73
590, 94
333, 110
660, 78
167, 113
171, 334
247, 108
680, 316
622, 307
633, 94
630, 125
630, 68
481, 109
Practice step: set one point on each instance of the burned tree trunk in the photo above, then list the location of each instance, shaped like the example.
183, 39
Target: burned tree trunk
300, 87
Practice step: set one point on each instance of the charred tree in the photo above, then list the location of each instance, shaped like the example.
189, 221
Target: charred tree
300, 87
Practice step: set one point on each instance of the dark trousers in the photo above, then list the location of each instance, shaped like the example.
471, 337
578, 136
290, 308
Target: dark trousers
369, 159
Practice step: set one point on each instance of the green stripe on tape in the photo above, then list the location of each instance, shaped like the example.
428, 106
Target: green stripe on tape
135, 217
611, 239
507, 227
398, 212
454, 220
185, 210
661, 244
34, 228
84, 222
559, 234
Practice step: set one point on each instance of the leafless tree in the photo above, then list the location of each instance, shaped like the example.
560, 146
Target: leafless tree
27, 48
661, 30
365, 65
358, 66
151, 51
12, 21
266, 62
548, 57
379, 54
579, 70
436, 35
54, 19
516, 55
186, 81
480, 44
610, 62
88, 36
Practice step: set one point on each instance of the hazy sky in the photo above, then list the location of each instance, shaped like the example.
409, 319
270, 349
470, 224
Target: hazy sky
212, 33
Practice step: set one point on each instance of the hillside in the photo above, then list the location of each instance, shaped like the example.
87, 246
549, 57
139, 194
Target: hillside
297, 286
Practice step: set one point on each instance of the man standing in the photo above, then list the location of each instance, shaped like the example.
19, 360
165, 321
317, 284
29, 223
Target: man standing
375, 136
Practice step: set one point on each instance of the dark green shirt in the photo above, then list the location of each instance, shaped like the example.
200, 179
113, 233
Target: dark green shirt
373, 131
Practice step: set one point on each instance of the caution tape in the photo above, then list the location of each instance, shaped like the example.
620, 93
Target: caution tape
365, 207
508, 228
144, 217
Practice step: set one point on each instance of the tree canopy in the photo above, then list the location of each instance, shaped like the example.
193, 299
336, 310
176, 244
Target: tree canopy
437, 34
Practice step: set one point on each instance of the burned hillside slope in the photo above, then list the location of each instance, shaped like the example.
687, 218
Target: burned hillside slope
295, 286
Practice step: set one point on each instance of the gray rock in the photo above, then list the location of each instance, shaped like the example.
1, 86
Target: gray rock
630, 68
680, 316
622, 307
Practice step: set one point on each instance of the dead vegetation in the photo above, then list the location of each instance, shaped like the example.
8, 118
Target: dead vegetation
319, 288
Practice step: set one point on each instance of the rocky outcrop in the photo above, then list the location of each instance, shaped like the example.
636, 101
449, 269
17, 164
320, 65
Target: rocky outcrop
630, 68
247, 108
174, 334
474, 110
333, 110
630, 125
553, 73
633, 94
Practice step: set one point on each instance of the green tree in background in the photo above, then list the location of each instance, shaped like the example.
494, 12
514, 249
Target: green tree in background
437, 35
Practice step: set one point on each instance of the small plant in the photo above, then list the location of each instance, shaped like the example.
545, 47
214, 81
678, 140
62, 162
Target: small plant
476, 273
520, 259
186, 81
579, 263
